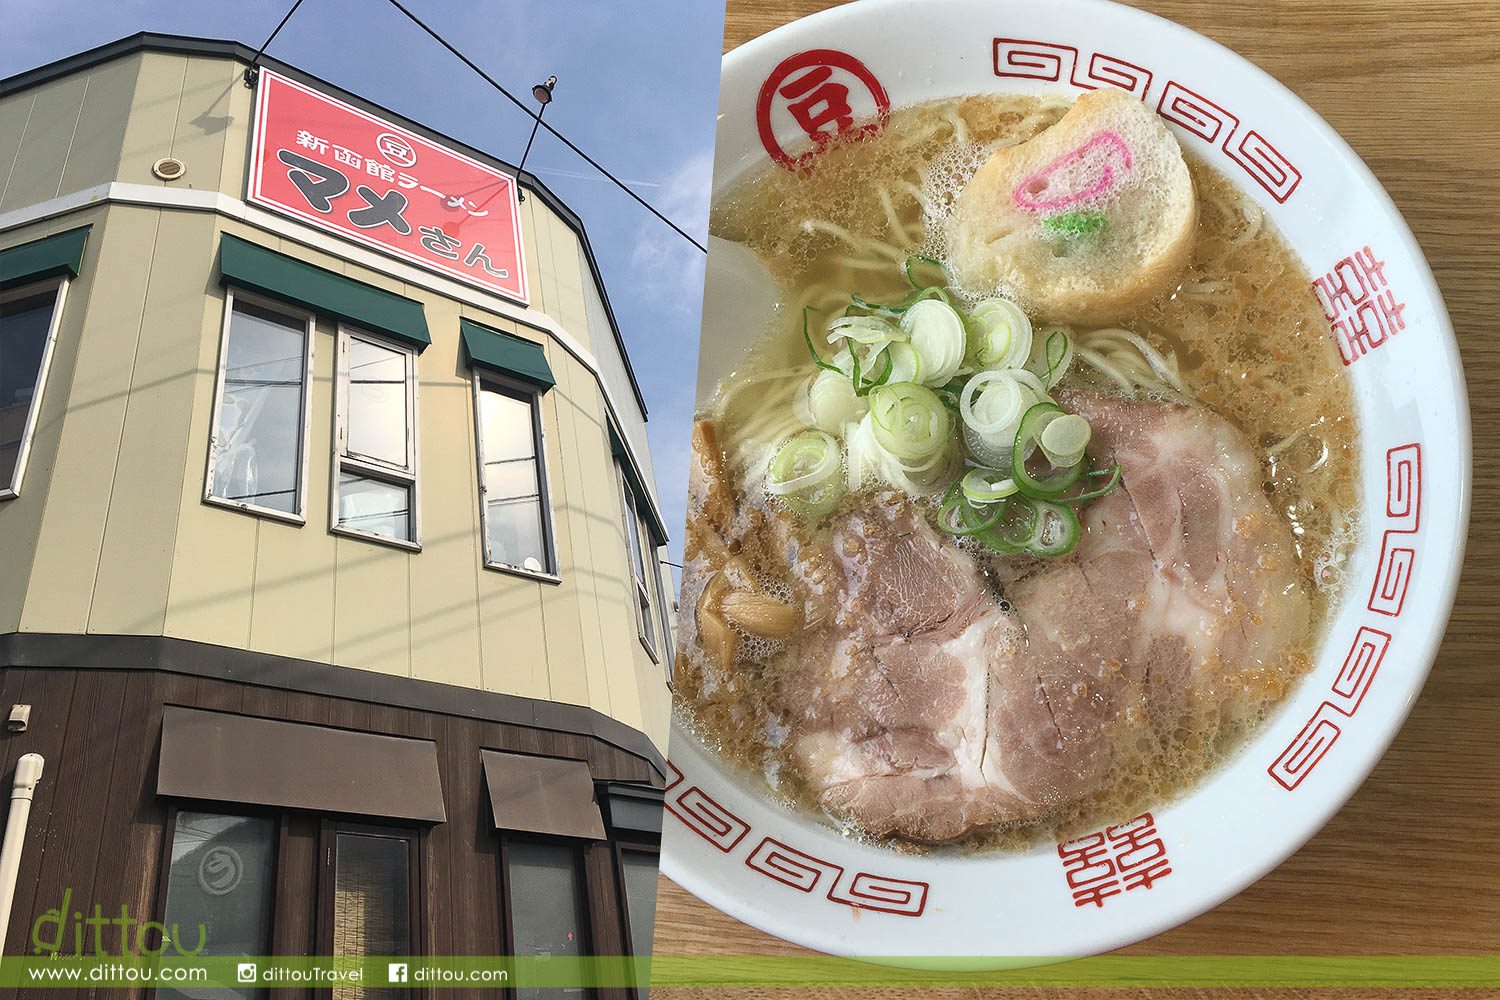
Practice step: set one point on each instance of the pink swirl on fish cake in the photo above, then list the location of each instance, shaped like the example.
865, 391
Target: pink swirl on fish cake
1107, 147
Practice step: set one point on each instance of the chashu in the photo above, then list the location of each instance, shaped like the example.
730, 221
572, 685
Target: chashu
926, 708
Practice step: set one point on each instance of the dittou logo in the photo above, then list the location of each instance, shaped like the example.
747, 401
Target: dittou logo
820, 93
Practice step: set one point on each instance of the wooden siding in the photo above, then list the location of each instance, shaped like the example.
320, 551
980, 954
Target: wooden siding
97, 826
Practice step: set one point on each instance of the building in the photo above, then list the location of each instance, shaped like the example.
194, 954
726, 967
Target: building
329, 555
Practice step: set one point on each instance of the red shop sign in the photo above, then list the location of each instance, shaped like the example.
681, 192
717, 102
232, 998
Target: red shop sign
351, 173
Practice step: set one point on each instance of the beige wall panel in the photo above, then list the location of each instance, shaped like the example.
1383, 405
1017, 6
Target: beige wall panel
95, 156
589, 505
445, 581
38, 165
612, 370
211, 598
153, 117
213, 563
15, 112
562, 610
72, 529
609, 548
512, 640
650, 676
569, 307
130, 593
238, 109
294, 584
203, 116
371, 630
538, 223
291, 612
21, 518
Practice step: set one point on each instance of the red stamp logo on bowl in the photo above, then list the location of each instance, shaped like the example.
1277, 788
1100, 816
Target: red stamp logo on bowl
820, 93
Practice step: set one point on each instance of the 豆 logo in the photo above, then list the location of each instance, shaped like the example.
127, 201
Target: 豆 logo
821, 93
396, 150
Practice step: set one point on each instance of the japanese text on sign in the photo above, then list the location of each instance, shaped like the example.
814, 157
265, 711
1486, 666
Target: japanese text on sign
349, 172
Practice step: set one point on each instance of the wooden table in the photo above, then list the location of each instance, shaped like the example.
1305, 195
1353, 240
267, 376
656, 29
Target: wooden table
1412, 864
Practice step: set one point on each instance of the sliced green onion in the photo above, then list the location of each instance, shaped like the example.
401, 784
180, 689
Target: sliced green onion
994, 402
868, 330
863, 387
909, 421
987, 485
1013, 530
1063, 440
906, 362
991, 407
1113, 480
861, 453
1052, 357
959, 517
817, 358
1056, 531
1057, 480
936, 331
817, 502
804, 460
896, 309
916, 260
1000, 335
832, 401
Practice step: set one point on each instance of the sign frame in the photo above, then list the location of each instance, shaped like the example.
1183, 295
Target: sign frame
518, 292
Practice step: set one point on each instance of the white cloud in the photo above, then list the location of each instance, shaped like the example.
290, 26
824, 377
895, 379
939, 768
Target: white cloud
675, 266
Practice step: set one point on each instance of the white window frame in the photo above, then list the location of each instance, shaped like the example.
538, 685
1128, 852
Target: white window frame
531, 394
664, 593
370, 468
641, 589
231, 296
12, 489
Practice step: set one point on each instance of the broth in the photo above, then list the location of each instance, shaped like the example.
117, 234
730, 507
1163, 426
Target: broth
1245, 330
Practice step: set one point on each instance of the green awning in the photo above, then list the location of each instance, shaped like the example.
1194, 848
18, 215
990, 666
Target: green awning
508, 355
637, 486
247, 265
48, 257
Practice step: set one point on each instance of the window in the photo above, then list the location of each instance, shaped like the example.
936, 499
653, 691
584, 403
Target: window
375, 440
664, 597
256, 454
638, 877
642, 558
513, 479
546, 911
28, 329
219, 888
372, 909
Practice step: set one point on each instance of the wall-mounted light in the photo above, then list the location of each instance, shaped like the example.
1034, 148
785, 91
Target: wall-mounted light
543, 94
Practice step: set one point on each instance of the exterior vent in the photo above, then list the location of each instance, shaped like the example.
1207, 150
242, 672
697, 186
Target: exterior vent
169, 168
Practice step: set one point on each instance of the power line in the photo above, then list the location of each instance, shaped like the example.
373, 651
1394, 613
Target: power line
538, 119
254, 69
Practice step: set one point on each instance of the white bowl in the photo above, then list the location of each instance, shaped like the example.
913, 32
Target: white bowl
791, 876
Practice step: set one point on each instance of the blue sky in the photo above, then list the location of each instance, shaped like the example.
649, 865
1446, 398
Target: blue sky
637, 88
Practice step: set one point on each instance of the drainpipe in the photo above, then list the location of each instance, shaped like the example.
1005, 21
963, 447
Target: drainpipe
28, 773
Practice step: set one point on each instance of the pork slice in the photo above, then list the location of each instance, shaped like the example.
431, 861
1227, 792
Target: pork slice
919, 704
1227, 584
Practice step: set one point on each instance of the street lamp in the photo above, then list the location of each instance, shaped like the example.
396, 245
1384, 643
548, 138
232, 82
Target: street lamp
543, 94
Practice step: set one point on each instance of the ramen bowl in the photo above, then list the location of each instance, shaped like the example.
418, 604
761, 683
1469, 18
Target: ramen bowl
728, 842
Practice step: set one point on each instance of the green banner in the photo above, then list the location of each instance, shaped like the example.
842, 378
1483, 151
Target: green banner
748, 972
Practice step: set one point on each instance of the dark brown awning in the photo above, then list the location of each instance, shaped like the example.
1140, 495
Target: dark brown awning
542, 795
235, 758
